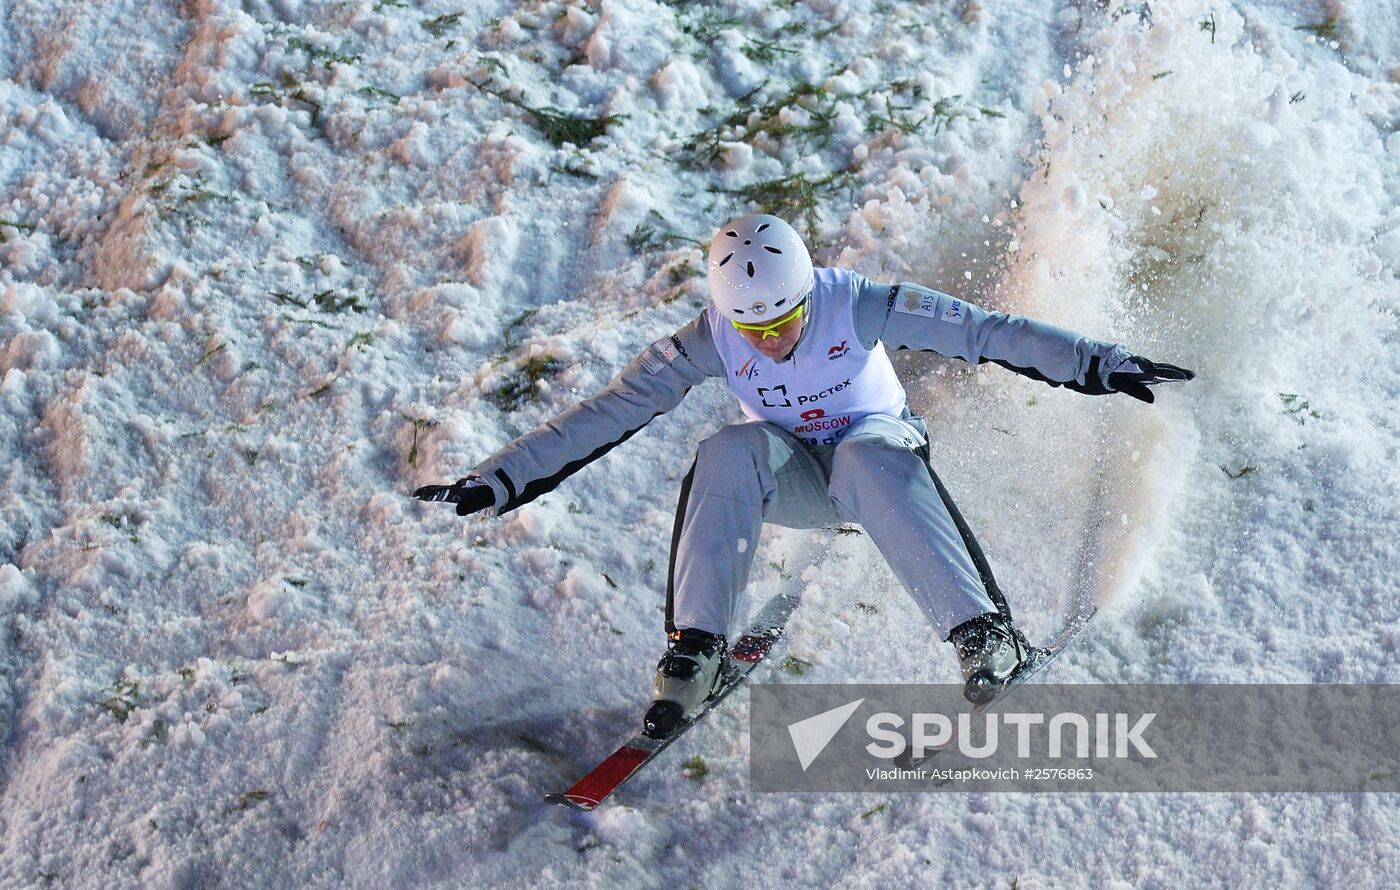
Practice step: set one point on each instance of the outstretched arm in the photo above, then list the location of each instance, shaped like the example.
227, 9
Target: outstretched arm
652, 383
909, 316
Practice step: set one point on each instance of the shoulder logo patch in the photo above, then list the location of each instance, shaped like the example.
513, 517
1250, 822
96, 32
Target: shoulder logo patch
658, 355
917, 301
913, 300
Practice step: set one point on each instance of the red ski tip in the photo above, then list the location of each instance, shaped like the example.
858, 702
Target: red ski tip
590, 791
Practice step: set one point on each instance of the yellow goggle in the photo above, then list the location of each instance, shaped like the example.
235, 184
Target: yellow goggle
773, 328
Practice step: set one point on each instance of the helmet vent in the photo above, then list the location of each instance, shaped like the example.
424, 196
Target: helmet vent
726, 259
761, 228
732, 234
771, 249
751, 268
780, 302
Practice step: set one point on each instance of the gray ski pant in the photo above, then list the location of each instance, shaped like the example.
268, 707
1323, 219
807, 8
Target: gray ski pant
751, 473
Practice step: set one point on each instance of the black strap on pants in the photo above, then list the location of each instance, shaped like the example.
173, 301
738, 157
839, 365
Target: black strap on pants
979, 559
681, 503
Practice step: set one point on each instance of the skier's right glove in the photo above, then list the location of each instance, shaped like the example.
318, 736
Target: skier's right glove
471, 494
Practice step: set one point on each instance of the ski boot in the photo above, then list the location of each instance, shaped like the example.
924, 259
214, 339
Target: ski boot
990, 652
685, 677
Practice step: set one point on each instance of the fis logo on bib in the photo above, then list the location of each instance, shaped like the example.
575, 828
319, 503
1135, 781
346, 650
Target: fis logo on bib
837, 351
749, 371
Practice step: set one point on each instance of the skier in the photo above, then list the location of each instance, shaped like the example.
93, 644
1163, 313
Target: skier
830, 439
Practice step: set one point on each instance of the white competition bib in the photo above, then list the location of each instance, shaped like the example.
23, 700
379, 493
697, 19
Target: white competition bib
828, 383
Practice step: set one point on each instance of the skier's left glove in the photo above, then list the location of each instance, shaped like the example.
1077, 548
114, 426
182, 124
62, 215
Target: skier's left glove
471, 495
1134, 376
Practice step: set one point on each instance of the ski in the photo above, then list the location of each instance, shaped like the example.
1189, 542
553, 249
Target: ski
1040, 659
748, 652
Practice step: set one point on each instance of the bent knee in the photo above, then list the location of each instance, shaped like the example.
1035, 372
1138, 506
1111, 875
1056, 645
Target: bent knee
735, 441
863, 448
863, 457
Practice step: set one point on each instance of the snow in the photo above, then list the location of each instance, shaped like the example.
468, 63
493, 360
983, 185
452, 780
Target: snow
267, 267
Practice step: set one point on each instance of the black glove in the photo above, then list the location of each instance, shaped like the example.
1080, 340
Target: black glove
1149, 373
470, 495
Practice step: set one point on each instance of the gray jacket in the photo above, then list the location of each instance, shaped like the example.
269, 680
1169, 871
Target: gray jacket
538, 461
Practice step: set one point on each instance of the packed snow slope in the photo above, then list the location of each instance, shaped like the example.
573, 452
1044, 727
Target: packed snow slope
267, 266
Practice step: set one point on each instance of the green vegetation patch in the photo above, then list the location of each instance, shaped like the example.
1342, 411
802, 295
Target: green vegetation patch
696, 769
524, 385
559, 128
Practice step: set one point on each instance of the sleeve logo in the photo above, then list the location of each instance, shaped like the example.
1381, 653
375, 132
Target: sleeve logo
658, 355
917, 301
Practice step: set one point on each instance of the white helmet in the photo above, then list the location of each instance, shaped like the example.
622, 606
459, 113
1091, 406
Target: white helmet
759, 269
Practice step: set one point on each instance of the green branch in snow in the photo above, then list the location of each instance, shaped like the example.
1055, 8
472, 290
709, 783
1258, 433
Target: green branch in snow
1327, 30
654, 233
442, 24
796, 197
524, 384
559, 128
